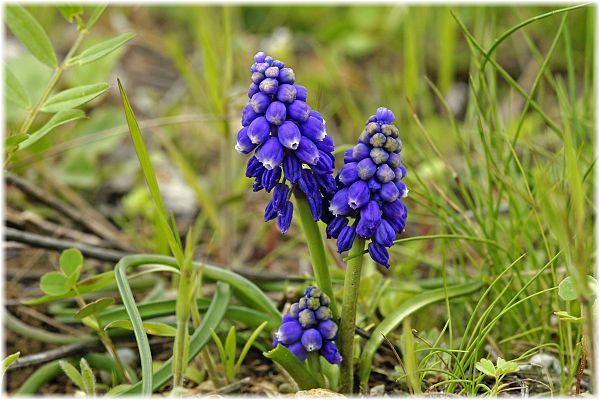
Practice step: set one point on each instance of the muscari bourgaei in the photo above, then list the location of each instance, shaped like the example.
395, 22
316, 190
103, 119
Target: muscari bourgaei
370, 188
291, 147
308, 327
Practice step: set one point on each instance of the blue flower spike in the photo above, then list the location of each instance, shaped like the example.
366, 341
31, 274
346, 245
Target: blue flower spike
305, 330
369, 190
287, 140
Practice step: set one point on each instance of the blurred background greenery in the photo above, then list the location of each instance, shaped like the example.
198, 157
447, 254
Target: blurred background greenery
483, 160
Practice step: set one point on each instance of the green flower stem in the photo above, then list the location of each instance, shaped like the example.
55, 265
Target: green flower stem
351, 286
315, 368
316, 248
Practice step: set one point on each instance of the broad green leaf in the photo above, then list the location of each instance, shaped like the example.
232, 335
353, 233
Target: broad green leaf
72, 279
9, 360
29, 31
14, 90
98, 11
53, 283
70, 260
505, 367
57, 119
292, 364
567, 290
94, 307
72, 373
74, 97
151, 328
486, 366
89, 381
70, 11
101, 49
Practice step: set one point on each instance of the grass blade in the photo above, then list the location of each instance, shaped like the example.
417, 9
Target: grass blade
392, 321
515, 28
248, 344
150, 176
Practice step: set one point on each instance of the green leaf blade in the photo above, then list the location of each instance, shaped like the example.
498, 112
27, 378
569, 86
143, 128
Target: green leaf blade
98, 11
15, 92
101, 49
74, 97
94, 307
70, 260
151, 328
58, 119
53, 283
29, 31
486, 366
89, 381
296, 368
72, 373
9, 360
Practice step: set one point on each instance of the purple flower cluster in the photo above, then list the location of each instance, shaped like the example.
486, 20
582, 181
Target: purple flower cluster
308, 327
369, 189
289, 142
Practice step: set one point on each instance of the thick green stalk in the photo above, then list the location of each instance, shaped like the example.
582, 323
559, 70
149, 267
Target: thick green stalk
351, 286
315, 368
182, 312
316, 248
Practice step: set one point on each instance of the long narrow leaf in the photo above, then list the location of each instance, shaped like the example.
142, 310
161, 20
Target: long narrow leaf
138, 327
144, 158
74, 97
101, 49
248, 344
57, 120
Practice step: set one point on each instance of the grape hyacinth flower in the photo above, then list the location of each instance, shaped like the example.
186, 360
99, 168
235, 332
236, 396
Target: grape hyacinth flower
370, 189
308, 327
287, 139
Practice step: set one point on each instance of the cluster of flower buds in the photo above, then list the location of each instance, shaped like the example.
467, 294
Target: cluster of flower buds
308, 327
369, 189
288, 139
